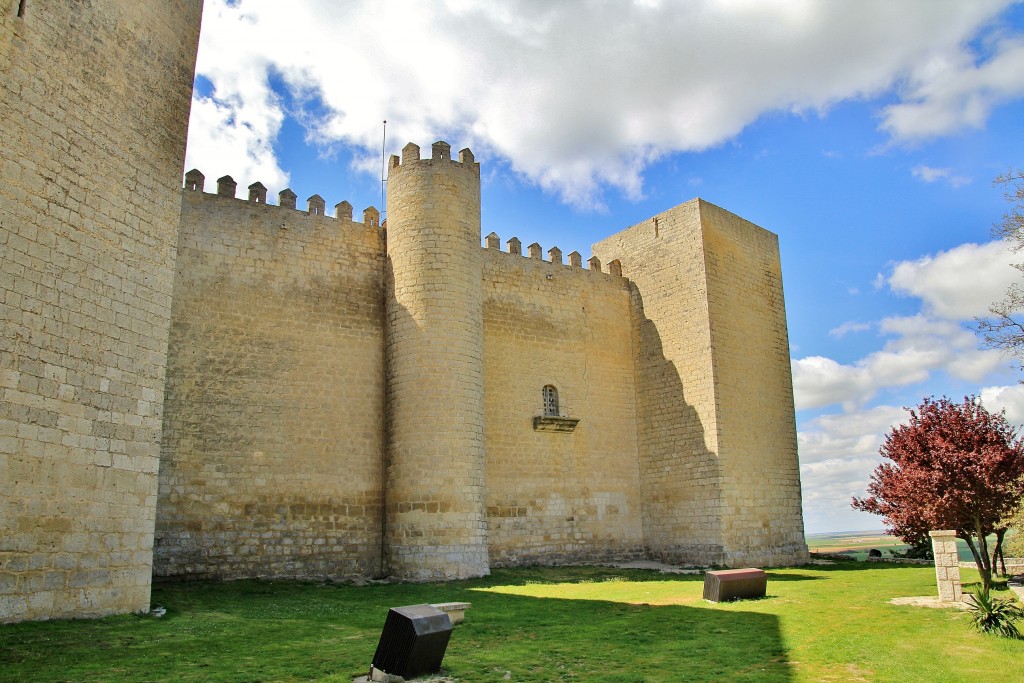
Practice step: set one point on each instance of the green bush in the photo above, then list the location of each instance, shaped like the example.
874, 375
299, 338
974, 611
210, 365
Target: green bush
995, 615
1013, 544
921, 550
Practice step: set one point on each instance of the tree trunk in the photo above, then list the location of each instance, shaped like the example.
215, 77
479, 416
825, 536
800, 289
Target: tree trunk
970, 544
998, 552
986, 573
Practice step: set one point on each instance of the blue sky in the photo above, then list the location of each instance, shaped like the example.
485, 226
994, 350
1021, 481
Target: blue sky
866, 134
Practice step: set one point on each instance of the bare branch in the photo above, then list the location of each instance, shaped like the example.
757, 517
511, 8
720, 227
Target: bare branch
1012, 226
1004, 330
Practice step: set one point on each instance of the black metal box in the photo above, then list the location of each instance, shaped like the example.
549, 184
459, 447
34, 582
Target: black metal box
413, 641
735, 584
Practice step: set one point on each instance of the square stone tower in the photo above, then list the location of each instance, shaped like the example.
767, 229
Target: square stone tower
715, 419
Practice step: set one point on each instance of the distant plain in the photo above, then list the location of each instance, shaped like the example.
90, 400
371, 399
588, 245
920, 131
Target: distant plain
857, 544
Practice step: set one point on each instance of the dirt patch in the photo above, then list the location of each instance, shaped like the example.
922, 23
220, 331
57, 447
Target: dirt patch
928, 601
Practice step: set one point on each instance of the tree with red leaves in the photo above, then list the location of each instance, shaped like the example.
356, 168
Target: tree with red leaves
955, 466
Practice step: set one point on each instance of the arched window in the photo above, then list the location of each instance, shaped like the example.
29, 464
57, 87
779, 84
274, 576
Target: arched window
550, 401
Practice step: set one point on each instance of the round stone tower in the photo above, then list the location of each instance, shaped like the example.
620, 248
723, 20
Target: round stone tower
436, 525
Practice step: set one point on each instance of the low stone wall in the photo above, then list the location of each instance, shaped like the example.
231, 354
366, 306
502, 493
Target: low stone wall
901, 560
1014, 565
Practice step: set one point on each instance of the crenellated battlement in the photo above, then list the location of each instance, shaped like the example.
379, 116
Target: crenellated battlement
440, 153
227, 188
343, 210
492, 243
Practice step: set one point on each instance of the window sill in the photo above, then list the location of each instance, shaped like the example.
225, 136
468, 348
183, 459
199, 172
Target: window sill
550, 423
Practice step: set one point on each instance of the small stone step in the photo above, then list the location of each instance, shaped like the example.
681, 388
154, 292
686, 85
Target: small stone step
456, 611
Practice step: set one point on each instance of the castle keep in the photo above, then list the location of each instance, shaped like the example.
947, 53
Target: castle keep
199, 384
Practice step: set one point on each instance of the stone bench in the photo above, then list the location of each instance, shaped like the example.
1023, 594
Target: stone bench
456, 611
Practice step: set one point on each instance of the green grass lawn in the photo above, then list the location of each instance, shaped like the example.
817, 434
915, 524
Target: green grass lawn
818, 623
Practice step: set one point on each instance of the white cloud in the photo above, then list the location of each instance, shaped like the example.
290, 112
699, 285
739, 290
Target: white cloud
832, 482
848, 327
1010, 398
847, 435
953, 90
953, 286
958, 284
820, 381
930, 174
828, 488
578, 97
223, 141
839, 452
918, 347
837, 455
233, 133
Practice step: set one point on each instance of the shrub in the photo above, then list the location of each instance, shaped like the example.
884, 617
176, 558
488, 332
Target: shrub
921, 550
1014, 546
994, 615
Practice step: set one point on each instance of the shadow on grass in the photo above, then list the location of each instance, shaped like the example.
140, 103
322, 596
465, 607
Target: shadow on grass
282, 630
545, 639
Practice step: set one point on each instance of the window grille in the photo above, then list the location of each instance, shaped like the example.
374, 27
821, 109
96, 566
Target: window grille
550, 401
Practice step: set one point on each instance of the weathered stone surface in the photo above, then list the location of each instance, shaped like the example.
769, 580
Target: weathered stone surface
436, 526
559, 497
272, 440
94, 103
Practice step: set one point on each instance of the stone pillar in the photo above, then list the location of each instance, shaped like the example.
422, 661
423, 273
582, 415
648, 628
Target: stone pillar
947, 565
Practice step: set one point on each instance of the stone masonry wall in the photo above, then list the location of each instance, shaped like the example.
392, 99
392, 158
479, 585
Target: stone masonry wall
663, 259
559, 497
309, 431
273, 436
94, 104
760, 473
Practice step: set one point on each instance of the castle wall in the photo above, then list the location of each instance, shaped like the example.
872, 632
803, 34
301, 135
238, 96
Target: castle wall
552, 496
273, 435
716, 429
94, 103
684, 449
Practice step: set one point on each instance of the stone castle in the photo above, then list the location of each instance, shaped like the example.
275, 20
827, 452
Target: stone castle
194, 384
